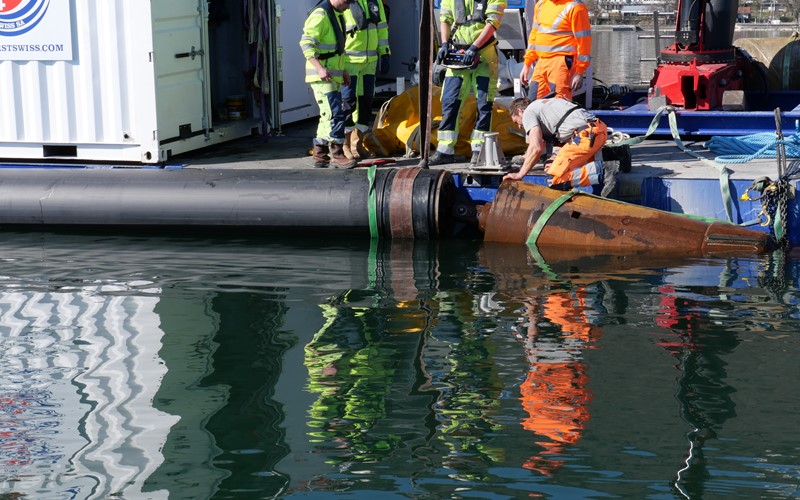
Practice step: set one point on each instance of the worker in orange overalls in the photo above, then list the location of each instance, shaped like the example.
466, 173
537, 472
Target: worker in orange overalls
560, 43
579, 162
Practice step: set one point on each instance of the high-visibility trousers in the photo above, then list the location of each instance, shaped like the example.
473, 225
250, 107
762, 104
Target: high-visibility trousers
330, 129
579, 162
458, 83
359, 95
552, 74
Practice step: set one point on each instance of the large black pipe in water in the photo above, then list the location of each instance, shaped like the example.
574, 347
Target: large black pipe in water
389, 202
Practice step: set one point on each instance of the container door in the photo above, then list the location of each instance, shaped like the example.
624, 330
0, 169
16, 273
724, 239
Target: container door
180, 45
296, 98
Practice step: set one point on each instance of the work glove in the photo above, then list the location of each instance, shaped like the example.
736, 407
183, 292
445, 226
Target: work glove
471, 56
384, 64
442, 52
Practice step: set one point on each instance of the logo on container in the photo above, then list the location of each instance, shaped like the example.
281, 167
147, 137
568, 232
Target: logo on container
20, 16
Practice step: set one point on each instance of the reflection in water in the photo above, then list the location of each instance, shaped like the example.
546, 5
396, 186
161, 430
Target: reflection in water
698, 347
83, 358
161, 367
555, 393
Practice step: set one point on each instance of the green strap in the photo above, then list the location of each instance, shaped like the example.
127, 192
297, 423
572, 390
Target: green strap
372, 264
777, 225
549, 211
372, 204
542, 264
545, 217
724, 173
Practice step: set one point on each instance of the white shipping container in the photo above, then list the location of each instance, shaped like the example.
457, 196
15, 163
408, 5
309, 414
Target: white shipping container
145, 80
138, 81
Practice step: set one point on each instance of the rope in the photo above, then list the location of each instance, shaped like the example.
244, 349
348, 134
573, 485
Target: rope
749, 147
257, 24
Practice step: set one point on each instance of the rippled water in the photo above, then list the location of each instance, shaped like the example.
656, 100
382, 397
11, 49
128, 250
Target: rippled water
200, 368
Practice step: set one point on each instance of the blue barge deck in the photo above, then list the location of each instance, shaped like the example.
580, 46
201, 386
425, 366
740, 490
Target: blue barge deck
634, 117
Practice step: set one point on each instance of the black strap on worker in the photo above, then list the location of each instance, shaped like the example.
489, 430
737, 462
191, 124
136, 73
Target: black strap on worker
547, 135
478, 14
338, 29
364, 19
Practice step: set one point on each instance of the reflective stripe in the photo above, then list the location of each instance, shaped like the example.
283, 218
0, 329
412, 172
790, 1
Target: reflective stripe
560, 18
477, 136
576, 177
585, 58
383, 25
362, 53
334, 72
593, 172
557, 48
582, 34
551, 31
447, 135
383, 43
330, 47
592, 169
445, 12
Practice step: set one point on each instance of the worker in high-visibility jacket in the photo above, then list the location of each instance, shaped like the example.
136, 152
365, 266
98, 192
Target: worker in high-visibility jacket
582, 136
366, 44
323, 44
560, 44
469, 25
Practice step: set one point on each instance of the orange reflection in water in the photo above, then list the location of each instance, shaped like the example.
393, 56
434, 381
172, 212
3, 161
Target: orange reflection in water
555, 393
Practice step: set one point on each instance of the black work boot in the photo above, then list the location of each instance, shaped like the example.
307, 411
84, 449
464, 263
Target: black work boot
440, 158
319, 157
338, 159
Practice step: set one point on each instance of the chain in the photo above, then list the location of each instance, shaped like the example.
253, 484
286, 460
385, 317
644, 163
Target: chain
783, 201
774, 201
773, 279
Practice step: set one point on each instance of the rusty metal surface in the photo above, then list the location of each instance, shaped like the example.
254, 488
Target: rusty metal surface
616, 227
401, 200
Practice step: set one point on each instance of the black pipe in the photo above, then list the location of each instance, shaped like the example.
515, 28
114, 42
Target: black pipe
299, 200
719, 24
719, 21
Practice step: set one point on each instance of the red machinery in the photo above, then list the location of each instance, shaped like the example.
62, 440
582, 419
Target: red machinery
702, 64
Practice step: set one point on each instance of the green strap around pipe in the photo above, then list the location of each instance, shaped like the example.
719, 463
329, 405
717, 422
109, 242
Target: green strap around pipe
372, 204
543, 219
548, 212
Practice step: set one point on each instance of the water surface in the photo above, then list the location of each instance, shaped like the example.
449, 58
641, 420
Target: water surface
170, 367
